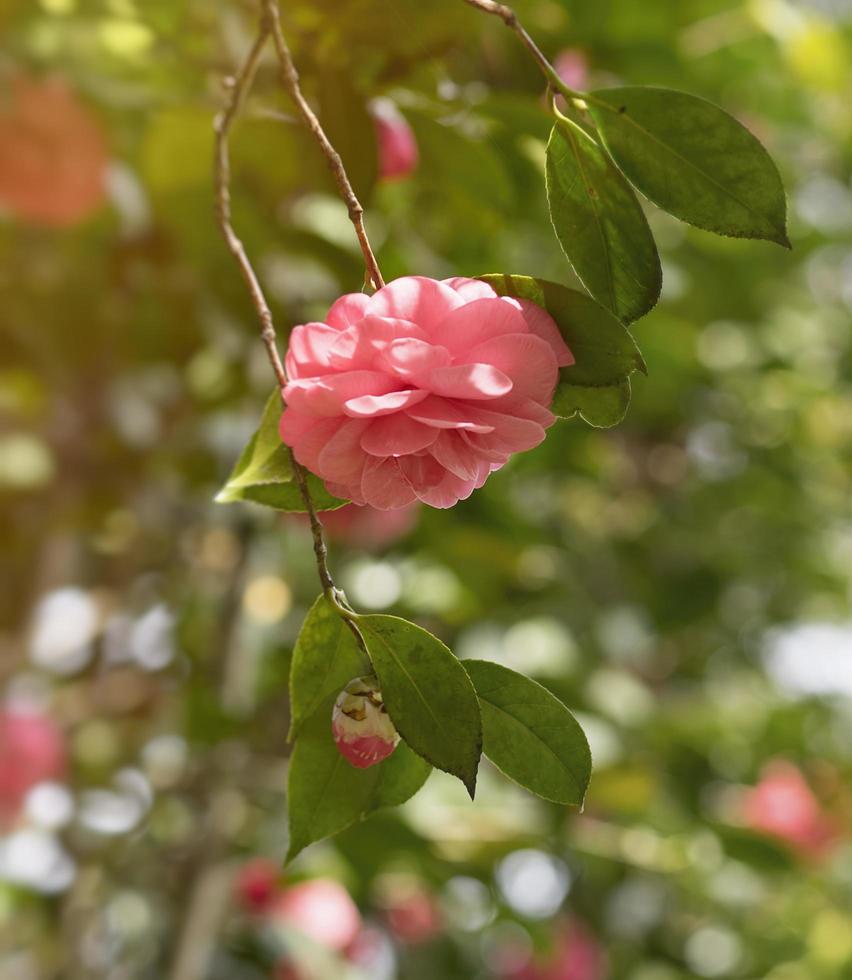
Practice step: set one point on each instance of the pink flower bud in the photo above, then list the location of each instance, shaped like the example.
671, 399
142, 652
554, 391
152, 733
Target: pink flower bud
397, 145
572, 66
362, 729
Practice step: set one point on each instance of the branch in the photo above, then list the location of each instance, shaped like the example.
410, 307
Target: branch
290, 80
239, 87
510, 19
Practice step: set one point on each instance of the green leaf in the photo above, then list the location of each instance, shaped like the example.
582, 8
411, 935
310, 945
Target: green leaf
596, 386
530, 735
601, 407
693, 160
428, 695
325, 794
264, 472
326, 657
600, 224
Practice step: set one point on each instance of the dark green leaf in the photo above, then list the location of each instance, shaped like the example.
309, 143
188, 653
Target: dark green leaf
325, 793
326, 657
427, 693
530, 735
600, 224
694, 160
264, 473
596, 386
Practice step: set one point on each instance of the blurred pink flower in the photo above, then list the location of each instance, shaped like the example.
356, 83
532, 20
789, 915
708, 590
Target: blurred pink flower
782, 805
321, 909
414, 917
367, 527
577, 955
256, 884
397, 145
420, 391
572, 67
32, 751
361, 727
53, 153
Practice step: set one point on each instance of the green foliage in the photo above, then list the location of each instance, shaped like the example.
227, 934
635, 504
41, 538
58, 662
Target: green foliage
326, 657
427, 693
694, 160
325, 794
596, 387
264, 472
530, 735
600, 224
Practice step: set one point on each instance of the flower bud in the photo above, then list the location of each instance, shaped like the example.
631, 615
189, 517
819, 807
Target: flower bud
397, 145
362, 729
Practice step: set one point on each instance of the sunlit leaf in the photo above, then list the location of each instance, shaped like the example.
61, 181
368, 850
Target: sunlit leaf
325, 793
596, 386
694, 160
530, 735
600, 224
326, 657
427, 694
264, 472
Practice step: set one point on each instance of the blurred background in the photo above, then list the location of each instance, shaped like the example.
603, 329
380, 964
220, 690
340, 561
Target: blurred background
682, 581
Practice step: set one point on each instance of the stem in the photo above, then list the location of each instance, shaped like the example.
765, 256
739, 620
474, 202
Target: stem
290, 80
510, 19
239, 87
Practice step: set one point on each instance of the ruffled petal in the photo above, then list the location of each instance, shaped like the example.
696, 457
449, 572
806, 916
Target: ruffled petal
526, 359
445, 414
307, 350
424, 301
384, 486
327, 395
470, 289
307, 435
473, 381
455, 455
347, 311
358, 348
407, 357
475, 322
510, 435
542, 324
373, 406
397, 435
341, 459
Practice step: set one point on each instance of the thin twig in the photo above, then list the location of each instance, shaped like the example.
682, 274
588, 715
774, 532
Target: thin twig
290, 81
239, 87
510, 19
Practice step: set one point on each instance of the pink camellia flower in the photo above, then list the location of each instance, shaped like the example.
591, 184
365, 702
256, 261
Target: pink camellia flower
32, 751
572, 66
321, 909
397, 145
784, 806
576, 955
256, 884
366, 527
362, 729
53, 154
421, 390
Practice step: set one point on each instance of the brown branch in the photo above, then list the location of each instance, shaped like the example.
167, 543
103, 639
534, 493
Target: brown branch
239, 87
290, 80
510, 19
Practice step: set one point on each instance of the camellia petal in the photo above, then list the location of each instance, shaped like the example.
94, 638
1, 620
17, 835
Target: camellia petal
419, 391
